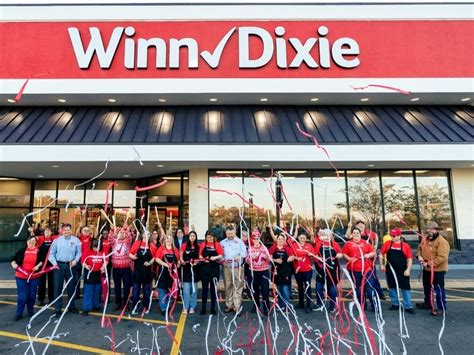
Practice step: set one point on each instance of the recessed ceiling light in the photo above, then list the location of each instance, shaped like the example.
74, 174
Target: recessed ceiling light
126, 176
62, 100
160, 165
264, 99
12, 101
314, 99
370, 165
364, 99
265, 165
464, 99
55, 166
112, 100
415, 99
213, 99
41, 176
161, 99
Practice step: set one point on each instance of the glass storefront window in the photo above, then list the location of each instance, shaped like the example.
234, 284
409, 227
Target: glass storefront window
223, 208
10, 221
14, 192
96, 193
125, 194
297, 188
45, 193
330, 204
365, 199
122, 214
67, 193
256, 190
399, 203
434, 201
169, 192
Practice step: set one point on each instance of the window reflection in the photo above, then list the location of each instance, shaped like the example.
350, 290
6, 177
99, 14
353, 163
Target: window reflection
45, 192
434, 201
365, 199
15, 193
330, 201
67, 194
125, 194
10, 221
96, 193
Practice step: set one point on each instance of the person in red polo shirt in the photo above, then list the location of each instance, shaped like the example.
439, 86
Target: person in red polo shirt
359, 255
26, 262
399, 260
303, 252
94, 265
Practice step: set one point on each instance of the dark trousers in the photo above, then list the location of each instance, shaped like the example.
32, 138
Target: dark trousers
248, 281
438, 285
77, 272
122, 275
364, 283
61, 274
331, 293
303, 279
376, 283
26, 295
206, 287
49, 277
146, 293
259, 283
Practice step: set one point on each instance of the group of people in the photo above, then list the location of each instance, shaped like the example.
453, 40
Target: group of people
146, 265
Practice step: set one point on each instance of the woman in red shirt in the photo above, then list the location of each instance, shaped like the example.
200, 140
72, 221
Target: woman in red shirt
168, 257
303, 252
211, 252
258, 260
94, 265
26, 262
358, 255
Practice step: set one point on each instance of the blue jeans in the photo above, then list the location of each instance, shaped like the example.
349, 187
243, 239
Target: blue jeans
189, 295
406, 295
331, 292
61, 274
369, 291
146, 293
283, 295
26, 295
125, 275
91, 299
164, 297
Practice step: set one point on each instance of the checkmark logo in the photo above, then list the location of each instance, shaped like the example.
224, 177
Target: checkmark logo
213, 59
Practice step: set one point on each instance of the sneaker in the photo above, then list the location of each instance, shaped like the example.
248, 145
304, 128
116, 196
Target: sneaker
394, 308
85, 313
191, 311
185, 311
410, 310
17, 318
423, 306
317, 308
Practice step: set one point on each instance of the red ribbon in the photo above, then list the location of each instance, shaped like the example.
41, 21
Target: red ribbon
230, 193
23, 87
146, 188
109, 186
401, 91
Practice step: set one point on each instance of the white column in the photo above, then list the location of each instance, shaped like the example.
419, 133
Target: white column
463, 199
199, 200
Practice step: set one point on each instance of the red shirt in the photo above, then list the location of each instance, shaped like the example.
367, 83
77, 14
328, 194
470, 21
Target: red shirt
404, 247
368, 234
302, 251
43, 239
29, 262
211, 245
106, 246
162, 251
357, 250
85, 245
94, 259
141, 244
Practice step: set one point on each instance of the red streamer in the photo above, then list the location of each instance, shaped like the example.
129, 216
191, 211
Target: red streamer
401, 91
230, 193
23, 87
109, 186
315, 141
146, 188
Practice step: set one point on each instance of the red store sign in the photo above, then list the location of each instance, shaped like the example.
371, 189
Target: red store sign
238, 49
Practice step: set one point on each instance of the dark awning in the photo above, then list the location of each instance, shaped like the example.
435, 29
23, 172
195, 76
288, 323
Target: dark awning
236, 124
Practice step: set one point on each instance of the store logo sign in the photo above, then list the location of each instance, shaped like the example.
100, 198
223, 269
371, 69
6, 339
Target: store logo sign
314, 52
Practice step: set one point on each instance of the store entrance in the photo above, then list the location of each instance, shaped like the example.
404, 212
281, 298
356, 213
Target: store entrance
170, 216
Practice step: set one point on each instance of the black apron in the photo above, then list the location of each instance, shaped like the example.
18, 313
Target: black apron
282, 271
142, 273
327, 271
165, 281
398, 261
209, 270
189, 275
44, 248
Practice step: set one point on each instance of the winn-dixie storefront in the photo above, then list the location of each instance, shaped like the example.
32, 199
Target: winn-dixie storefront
220, 100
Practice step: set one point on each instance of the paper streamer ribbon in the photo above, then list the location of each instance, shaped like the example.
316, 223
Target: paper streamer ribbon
146, 188
401, 91
23, 87
316, 143
230, 193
